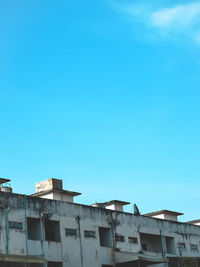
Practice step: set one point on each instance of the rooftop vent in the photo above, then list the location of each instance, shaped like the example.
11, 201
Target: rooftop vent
5, 186
3, 181
53, 189
6, 189
99, 205
48, 185
195, 222
112, 205
165, 215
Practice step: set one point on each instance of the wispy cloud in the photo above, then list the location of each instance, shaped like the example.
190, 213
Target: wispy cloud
165, 20
176, 17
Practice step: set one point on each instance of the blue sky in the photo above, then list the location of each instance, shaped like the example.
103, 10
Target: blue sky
105, 95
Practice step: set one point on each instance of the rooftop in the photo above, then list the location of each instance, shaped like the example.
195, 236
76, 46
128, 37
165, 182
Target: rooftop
3, 181
194, 221
116, 202
163, 212
56, 191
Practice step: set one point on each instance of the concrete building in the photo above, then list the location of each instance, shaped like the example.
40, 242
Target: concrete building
47, 229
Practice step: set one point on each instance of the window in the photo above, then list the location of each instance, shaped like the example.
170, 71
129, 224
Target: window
34, 230
54, 264
194, 247
170, 245
181, 246
119, 238
70, 232
52, 231
133, 240
144, 246
15, 225
151, 242
89, 234
13, 264
105, 236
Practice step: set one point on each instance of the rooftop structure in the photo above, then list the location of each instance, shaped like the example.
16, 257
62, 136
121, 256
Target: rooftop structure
112, 205
195, 222
4, 186
53, 189
3, 181
164, 215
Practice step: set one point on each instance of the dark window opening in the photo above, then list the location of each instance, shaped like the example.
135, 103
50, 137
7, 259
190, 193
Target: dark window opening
16, 264
133, 240
34, 230
15, 225
11, 264
70, 232
144, 246
36, 265
194, 247
119, 238
54, 264
181, 246
151, 242
105, 236
170, 245
52, 231
89, 234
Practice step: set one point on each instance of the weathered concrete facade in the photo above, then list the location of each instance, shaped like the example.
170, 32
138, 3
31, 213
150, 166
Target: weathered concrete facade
39, 232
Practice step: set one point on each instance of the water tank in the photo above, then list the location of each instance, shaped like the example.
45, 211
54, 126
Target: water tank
6, 189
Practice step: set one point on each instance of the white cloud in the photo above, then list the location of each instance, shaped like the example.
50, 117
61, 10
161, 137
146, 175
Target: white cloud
176, 17
164, 20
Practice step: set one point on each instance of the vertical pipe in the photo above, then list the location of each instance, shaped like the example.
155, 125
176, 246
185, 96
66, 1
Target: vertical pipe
1, 224
113, 239
25, 223
61, 240
7, 231
42, 235
163, 244
79, 230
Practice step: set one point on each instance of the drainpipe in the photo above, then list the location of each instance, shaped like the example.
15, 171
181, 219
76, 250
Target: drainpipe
61, 243
42, 222
113, 239
7, 231
163, 244
79, 230
25, 223
42, 235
